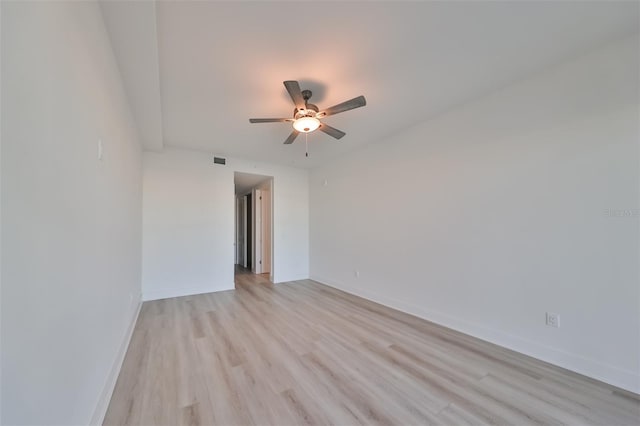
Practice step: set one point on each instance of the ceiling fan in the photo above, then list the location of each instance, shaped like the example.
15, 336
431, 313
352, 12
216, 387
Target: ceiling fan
306, 116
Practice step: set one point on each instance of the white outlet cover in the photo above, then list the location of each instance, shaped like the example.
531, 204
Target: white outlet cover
99, 149
553, 320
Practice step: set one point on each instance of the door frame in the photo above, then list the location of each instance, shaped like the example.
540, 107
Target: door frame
249, 207
266, 208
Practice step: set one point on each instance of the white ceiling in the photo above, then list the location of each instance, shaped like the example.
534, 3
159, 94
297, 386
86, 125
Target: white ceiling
132, 30
197, 71
247, 181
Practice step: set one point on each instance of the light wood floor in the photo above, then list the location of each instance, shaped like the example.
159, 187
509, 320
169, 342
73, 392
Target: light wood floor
303, 353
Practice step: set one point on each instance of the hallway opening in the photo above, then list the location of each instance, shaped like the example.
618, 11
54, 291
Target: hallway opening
253, 225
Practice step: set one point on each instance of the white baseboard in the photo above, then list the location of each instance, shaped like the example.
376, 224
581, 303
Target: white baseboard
167, 293
280, 280
105, 396
615, 376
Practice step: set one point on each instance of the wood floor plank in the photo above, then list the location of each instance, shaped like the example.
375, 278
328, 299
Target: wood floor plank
303, 353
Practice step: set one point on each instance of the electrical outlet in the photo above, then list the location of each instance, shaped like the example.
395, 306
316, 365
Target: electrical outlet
553, 320
356, 273
100, 149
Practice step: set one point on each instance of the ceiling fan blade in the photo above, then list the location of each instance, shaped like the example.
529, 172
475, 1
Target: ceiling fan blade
296, 94
269, 120
358, 102
332, 131
292, 137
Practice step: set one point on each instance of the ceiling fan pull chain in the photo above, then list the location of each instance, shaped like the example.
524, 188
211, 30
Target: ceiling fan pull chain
306, 142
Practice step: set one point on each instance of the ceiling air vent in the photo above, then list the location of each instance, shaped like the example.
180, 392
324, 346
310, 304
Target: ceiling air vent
219, 160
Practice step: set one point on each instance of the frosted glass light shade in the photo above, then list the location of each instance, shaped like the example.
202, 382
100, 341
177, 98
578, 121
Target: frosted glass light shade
306, 124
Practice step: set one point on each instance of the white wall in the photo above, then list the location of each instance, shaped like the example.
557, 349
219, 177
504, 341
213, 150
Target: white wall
188, 224
492, 214
71, 241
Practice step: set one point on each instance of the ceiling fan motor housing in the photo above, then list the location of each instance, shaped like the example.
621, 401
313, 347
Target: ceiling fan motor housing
311, 111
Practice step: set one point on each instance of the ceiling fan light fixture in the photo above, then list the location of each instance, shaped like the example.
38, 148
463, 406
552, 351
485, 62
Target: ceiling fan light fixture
306, 124
306, 116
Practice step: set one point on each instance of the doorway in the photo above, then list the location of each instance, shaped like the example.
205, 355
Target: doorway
253, 226
248, 233
243, 231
